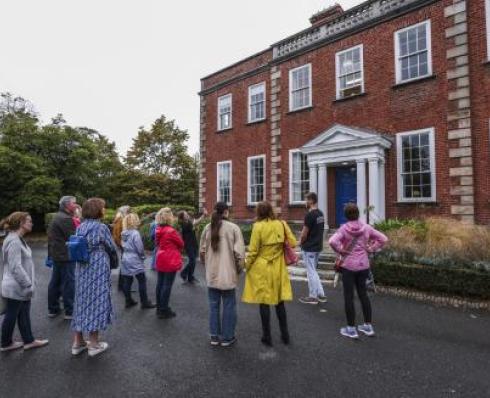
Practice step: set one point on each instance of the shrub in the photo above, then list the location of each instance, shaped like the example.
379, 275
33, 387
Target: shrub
471, 283
437, 241
145, 209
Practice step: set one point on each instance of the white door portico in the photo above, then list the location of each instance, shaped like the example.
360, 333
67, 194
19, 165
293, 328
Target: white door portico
343, 145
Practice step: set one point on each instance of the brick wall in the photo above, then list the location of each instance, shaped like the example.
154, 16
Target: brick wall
386, 108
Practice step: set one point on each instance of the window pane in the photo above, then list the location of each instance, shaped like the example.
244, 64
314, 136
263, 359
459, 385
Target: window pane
416, 166
403, 43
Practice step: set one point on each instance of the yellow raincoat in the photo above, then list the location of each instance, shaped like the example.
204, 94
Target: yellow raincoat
267, 280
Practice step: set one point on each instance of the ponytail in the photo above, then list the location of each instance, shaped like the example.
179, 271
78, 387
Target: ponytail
216, 222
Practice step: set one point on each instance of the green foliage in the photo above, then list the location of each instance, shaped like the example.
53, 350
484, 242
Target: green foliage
395, 223
471, 283
40, 163
145, 235
246, 229
146, 209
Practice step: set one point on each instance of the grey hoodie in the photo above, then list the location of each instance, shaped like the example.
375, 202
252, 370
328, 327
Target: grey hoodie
133, 253
18, 269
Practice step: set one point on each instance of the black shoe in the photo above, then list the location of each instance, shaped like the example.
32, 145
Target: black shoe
167, 314
266, 340
215, 341
228, 343
194, 281
130, 303
53, 314
148, 306
285, 339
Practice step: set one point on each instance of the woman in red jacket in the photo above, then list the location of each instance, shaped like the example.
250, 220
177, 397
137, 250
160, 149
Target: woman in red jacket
168, 260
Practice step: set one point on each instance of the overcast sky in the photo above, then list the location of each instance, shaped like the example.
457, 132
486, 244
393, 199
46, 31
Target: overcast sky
115, 65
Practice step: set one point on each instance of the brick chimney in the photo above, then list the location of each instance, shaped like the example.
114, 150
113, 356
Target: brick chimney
328, 14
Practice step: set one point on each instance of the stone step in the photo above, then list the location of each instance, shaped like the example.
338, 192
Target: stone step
298, 271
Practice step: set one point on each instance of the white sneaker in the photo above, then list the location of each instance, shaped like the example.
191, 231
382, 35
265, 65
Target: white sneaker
349, 331
77, 350
14, 346
367, 329
98, 349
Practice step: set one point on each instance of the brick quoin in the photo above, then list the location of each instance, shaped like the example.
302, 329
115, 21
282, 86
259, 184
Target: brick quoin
385, 107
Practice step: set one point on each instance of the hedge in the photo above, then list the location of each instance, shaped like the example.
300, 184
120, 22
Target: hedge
464, 282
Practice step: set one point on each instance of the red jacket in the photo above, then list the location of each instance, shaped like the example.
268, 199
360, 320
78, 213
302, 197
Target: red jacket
169, 245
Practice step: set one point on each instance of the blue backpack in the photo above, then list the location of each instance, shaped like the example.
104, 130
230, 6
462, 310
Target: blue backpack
78, 249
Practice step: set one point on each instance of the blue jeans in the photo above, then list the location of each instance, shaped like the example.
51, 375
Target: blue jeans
62, 283
17, 312
222, 326
187, 273
164, 288
314, 284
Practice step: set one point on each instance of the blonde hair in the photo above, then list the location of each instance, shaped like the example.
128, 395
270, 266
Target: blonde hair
164, 216
131, 221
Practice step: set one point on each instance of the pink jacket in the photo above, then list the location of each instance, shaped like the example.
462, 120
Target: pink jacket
369, 241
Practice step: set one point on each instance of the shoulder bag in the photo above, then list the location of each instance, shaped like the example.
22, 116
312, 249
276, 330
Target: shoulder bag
340, 259
289, 254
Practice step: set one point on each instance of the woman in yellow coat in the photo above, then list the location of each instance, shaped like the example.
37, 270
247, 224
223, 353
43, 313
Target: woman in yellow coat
267, 282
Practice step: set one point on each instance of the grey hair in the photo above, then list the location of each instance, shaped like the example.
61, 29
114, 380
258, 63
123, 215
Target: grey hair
124, 210
65, 200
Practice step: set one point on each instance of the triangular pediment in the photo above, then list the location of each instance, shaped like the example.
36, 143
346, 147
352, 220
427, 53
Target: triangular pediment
338, 134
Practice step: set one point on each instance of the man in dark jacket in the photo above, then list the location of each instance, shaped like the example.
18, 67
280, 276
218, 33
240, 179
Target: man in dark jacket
63, 276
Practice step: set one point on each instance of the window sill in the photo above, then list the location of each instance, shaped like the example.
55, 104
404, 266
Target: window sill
414, 81
224, 130
421, 203
251, 206
297, 205
307, 108
486, 63
349, 98
256, 122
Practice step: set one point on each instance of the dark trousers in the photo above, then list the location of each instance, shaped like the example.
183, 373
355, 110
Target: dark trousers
265, 316
62, 283
17, 312
164, 288
187, 273
128, 282
357, 280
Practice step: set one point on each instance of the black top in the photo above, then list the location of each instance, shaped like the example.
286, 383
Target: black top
315, 222
59, 231
189, 237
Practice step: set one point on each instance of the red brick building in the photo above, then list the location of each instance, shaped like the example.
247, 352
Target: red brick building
385, 104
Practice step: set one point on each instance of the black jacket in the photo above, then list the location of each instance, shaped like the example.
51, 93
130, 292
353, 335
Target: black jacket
59, 231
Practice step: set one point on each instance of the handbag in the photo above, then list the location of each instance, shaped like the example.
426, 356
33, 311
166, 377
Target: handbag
290, 255
113, 257
340, 259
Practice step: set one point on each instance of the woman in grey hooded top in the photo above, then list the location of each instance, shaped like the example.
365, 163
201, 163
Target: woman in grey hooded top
18, 283
133, 261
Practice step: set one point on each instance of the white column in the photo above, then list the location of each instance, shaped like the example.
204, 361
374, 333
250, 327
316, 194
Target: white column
373, 190
313, 179
361, 189
322, 191
382, 190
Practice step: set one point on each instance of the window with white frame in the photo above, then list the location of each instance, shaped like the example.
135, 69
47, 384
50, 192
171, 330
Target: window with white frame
224, 112
350, 73
224, 179
300, 87
256, 179
413, 52
416, 166
299, 176
256, 102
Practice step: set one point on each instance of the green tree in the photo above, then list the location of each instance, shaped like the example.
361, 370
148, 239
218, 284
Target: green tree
160, 150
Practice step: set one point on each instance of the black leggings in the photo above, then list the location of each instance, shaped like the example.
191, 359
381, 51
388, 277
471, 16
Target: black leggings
357, 279
265, 316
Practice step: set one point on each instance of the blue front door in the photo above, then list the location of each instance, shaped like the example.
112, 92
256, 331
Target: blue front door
345, 190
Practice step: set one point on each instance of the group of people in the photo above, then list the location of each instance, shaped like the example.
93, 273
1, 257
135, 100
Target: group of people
86, 287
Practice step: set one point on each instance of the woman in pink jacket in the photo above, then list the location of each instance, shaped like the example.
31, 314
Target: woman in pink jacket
354, 241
